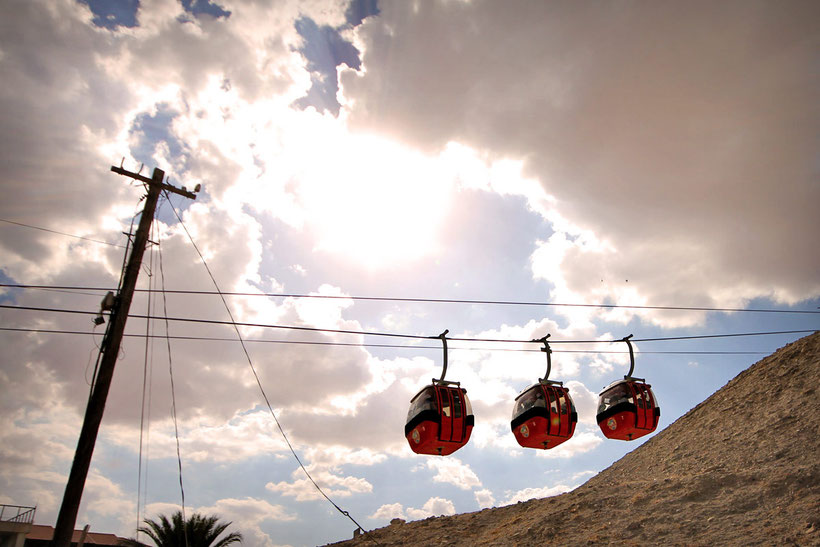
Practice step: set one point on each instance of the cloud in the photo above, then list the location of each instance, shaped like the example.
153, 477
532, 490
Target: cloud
434, 506
36, 449
484, 498
545, 491
582, 474
454, 471
103, 498
496, 436
333, 485
683, 140
388, 511
247, 515
373, 213
585, 401
532, 493
580, 443
79, 96
337, 455
504, 143
57, 102
239, 439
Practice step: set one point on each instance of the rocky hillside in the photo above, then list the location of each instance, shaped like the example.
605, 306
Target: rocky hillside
741, 468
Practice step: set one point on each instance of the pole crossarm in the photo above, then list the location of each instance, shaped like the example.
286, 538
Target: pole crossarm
146, 180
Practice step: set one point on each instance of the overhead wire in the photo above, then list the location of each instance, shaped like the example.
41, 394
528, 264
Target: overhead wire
391, 346
88, 364
145, 388
128, 236
418, 336
99, 359
61, 233
256, 376
63, 291
173, 392
149, 316
441, 300
235, 324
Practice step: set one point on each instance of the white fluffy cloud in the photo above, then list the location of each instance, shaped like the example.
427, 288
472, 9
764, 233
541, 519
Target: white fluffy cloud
454, 471
586, 402
530, 493
389, 511
484, 498
434, 506
246, 516
334, 485
581, 442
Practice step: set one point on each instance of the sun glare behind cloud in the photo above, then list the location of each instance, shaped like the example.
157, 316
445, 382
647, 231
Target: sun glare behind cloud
376, 202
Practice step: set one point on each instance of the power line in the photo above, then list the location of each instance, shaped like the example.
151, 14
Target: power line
145, 409
173, 390
438, 300
256, 376
416, 336
61, 233
390, 346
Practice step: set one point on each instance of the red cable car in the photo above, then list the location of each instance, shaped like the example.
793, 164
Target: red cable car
627, 409
537, 423
544, 415
440, 419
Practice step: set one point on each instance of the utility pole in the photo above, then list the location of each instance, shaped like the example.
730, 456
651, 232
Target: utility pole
110, 350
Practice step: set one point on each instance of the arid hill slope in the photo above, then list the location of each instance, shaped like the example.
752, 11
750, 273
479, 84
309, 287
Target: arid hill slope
741, 468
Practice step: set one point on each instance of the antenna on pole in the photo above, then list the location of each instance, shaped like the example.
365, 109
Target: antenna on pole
110, 349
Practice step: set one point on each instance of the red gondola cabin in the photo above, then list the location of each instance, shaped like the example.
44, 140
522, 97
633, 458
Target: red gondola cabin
440, 420
543, 416
627, 410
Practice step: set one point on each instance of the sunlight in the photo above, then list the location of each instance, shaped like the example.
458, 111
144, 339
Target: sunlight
376, 202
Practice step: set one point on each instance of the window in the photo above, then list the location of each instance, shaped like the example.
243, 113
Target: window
468, 408
616, 394
456, 404
639, 399
530, 398
425, 400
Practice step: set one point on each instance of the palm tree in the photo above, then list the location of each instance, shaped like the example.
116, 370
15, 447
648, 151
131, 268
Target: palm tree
201, 531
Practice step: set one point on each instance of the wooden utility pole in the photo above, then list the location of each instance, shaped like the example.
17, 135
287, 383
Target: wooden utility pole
110, 350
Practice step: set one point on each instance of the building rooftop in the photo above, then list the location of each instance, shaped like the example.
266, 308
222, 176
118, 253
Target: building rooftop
41, 532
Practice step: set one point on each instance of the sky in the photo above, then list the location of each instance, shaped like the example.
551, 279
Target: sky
656, 154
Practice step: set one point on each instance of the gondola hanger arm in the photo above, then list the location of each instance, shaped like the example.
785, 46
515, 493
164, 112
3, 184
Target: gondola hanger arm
631, 359
546, 349
443, 338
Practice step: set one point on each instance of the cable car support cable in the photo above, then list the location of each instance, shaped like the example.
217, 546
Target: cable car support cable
417, 336
391, 346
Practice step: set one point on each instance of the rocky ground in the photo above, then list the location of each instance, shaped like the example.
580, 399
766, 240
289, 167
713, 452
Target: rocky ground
741, 468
